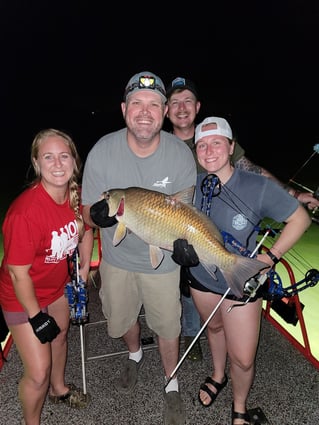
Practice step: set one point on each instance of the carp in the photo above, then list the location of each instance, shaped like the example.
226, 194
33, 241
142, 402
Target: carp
159, 219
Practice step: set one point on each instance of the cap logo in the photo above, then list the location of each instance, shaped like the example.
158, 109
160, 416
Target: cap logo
179, 82
209, 126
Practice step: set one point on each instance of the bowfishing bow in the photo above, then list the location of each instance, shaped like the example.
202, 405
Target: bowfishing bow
277, 291
273, 289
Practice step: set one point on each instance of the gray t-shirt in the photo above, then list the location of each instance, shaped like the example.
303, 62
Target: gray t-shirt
111, 164
244, 201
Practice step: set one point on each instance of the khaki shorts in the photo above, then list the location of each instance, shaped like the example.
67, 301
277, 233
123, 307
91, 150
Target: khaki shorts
124, 292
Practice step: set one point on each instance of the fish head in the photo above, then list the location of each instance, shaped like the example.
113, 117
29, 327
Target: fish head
115, 199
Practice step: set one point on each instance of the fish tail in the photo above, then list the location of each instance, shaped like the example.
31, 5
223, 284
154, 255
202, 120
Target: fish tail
243, 269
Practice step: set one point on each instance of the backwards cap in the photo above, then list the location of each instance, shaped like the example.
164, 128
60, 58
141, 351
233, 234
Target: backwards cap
145, 81
213, 126
181, 83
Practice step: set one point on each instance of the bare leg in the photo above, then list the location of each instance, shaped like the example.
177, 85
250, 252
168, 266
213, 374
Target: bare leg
174, 409
242, 326
205, 303
169, 349
36, 359
60, 310
132, 338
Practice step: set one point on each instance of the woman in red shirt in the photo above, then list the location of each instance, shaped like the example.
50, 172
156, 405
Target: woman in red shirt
41, 230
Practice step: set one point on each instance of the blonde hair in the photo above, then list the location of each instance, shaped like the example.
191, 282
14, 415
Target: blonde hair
74, 190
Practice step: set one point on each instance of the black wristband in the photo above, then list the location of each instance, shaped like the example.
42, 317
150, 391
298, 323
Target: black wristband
274, 259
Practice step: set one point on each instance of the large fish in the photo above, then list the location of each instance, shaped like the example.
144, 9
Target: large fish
159, 219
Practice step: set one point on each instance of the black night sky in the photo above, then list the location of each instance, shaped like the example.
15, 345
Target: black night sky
65, 65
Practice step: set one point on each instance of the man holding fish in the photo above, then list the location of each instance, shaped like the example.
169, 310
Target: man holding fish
144, 156
240, 201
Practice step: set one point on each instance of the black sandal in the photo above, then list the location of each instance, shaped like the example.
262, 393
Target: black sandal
219, 386
237, 415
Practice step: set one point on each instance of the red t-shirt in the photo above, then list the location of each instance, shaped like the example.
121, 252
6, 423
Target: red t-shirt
40, 232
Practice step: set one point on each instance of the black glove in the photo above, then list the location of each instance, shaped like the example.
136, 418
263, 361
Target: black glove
99, 214
44, 327
184, 254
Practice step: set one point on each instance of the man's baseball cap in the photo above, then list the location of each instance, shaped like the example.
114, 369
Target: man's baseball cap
180, 83
145, 81
213, 126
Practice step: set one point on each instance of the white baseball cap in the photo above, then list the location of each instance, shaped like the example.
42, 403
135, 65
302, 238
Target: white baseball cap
220, 127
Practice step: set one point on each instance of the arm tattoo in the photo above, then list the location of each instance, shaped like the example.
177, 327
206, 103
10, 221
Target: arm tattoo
244, 164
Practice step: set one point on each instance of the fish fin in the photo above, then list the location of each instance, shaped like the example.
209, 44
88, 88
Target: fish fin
113, 209
120, 233
186, 196
210, 268
243, 269
156, 256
